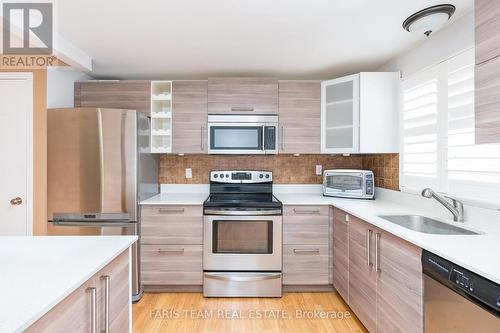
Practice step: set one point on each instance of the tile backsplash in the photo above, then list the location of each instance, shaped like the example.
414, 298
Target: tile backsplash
287, 169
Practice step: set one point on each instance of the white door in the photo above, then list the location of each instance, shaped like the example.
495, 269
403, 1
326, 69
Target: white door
16, 112
340, 115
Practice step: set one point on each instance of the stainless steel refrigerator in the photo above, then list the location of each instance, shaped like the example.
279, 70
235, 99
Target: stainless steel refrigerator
98, 170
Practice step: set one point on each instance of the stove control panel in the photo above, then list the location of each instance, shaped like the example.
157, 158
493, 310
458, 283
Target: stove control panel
238, 176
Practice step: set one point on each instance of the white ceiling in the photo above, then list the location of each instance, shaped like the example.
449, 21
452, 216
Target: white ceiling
186, 39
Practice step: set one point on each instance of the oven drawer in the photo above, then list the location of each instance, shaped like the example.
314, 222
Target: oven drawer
305, 225
171, 264
171, 224
241, 284
305, 264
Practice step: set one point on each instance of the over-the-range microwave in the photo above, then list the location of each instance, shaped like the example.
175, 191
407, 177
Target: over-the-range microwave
242, 134
346, 183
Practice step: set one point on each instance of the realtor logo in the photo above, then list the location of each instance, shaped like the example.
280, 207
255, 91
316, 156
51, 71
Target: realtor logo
27, 28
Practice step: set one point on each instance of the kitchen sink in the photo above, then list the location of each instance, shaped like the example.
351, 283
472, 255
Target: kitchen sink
426, 225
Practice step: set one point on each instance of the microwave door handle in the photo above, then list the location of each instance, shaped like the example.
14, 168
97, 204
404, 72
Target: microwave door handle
263, 137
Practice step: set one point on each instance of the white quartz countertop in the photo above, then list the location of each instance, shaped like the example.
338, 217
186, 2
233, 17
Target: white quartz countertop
176, 199
36, 273
478, 253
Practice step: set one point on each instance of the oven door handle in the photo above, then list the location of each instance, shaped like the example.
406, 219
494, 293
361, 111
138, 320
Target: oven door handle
242, 212
253, 277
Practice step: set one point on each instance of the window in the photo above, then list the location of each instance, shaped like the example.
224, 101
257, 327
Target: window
437, 134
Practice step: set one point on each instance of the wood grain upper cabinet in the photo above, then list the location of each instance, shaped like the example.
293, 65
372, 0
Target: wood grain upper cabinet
362, 275
242, 96
487, 101
189, 118
487, 20
299, 116
341, 253
399, 285
126, 94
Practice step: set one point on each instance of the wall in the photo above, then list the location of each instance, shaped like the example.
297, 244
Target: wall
440, 46
287, 169
60, 82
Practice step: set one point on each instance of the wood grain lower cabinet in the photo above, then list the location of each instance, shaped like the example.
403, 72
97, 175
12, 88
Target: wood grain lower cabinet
121, 94
487, 102
172, 251
299, 116
75, 312
171, 224
305, 225
189, 118
306, 246
244, 95
305, 264
341, 253
172, 264
399, 285
362, 276
385, 279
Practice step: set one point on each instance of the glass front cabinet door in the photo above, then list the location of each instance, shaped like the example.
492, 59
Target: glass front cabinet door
340, 115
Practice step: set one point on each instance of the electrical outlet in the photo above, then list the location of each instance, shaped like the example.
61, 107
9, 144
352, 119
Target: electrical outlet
189, 173
319, 170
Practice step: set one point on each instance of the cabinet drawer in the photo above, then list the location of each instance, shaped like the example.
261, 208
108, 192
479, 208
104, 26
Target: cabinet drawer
305, 264
171, 224
305, 225
171, 264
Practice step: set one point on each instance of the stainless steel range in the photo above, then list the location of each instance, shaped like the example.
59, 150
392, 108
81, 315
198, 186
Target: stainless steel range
242, 238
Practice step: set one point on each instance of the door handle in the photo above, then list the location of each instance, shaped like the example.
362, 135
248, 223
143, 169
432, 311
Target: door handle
16, 201
369, 234
170, 251
377, 252
107, 285
170, 210
306, 211
242, 109
306, 251
249, 278
93, 309
282, 137
202, 145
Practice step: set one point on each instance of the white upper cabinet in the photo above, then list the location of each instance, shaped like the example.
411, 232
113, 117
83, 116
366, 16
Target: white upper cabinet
359, 114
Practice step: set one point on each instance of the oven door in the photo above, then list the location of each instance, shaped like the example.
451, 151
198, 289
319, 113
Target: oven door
242, 243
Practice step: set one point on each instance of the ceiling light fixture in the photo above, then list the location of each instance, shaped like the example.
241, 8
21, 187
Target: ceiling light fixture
428, 20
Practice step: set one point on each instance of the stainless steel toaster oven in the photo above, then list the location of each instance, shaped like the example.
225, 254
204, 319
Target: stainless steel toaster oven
349, 183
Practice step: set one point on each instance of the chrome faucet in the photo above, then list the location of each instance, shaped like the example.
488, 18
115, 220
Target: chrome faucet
455, 207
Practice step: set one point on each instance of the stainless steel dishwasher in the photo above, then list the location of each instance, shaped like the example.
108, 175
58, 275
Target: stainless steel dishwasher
458, 300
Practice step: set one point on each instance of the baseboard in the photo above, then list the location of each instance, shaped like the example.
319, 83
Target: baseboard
307, 288
174, 289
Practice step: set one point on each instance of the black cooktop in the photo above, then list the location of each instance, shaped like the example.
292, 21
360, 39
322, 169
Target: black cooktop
264, 200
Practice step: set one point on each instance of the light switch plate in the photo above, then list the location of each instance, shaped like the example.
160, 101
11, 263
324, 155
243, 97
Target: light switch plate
189, 173
319, 170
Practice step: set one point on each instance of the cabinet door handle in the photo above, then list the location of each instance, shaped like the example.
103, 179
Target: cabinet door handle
107, 297
202, 144
306, 211
170, 250
242, 109
170, 210
346, 218
377, 252
93, 309
282, 137
369, 234
306, 251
